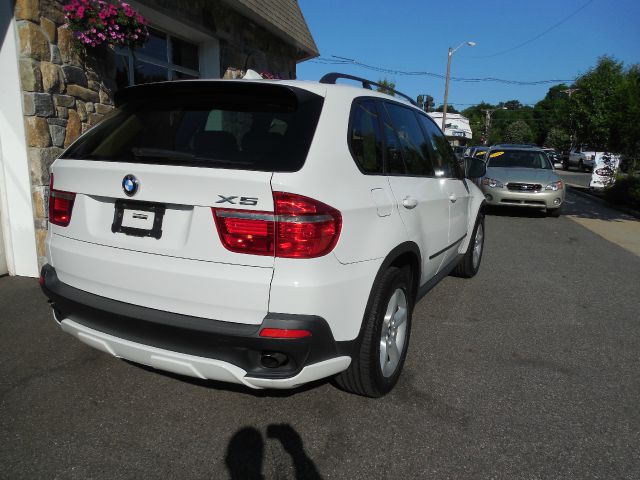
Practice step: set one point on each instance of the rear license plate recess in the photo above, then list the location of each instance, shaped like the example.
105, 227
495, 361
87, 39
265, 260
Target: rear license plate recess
138, 219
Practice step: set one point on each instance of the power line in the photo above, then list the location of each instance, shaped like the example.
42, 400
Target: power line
532, 39
337, 60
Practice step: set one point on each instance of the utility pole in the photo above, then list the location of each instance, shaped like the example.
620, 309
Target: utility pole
569, 92
446, 89
487, 122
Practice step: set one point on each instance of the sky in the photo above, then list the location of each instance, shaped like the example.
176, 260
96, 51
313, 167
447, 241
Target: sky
414, 36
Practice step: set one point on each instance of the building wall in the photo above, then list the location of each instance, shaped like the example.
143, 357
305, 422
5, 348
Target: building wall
243, 44
66, 90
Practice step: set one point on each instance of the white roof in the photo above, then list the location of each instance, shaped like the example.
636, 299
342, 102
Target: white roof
457, 125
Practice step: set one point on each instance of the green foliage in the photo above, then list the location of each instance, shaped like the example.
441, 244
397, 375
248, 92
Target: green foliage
557, 138
450, 109
626, 191
517, 132
426, 102
552, 113
595, 101
387, 86
476, 117
625, 130
502, 116
601, 109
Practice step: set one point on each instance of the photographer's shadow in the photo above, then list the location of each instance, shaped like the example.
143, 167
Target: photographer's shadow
245, 453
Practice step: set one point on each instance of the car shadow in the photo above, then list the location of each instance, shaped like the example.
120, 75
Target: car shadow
580, 204
575, 205
245, 453
233, 387
525, 212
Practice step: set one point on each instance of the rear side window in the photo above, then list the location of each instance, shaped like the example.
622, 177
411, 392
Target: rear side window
411, 141
444, 160
257, 129
365, 140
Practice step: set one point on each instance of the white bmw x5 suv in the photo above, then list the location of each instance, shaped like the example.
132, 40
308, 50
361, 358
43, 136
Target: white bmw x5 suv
266, 233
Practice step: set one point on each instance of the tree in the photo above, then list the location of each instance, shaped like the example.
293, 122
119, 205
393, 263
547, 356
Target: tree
552, 112
558, 139
450, 109
386, 86
476, 117
625, 125
511, 105
517, 132
594, 103
426, 102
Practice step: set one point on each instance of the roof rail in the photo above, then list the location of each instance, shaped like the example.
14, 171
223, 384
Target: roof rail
330, 78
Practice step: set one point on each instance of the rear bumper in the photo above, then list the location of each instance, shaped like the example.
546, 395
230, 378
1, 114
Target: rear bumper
194, 346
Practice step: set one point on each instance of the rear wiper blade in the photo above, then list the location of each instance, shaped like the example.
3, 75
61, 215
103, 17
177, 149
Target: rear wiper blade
161, 153
222, 161
150, 153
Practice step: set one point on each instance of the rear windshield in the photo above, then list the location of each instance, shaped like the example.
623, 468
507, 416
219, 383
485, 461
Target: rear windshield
518, 158
244, 127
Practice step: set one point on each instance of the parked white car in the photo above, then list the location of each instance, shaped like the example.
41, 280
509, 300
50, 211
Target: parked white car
266, 233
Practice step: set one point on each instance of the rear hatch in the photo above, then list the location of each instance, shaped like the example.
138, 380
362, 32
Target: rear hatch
147, 178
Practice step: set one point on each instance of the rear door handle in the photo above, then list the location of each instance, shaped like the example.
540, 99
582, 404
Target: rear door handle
453, 198
409, 203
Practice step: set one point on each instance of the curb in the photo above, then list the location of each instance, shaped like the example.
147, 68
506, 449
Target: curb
586, 193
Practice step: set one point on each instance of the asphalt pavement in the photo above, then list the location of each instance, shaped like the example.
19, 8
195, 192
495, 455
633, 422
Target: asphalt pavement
529, 370
575, 177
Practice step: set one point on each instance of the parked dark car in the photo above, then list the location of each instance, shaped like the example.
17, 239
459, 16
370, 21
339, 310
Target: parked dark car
554, 156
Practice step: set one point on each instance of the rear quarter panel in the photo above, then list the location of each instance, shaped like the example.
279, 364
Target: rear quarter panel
330, 175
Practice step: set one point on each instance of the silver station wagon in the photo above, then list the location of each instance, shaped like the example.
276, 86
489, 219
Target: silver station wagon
522, 177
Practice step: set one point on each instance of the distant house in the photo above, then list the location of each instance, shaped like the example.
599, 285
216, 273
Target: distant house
52, 91
457, 130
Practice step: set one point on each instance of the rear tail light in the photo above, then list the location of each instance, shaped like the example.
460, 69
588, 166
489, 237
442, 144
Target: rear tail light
305, 228
299, 227
60, 205
246, 231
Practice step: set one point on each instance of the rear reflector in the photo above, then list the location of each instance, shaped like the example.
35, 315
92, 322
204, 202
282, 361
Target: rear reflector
60, 205
300, 227
284, 333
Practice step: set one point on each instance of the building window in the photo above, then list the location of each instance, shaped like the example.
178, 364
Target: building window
163, 57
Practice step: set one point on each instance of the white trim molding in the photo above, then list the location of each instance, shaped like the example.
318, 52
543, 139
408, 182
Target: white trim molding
15, 186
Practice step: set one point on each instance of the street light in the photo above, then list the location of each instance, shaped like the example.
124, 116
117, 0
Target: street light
446, 83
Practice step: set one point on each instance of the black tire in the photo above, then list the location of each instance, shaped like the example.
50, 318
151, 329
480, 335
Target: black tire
364, 376
467, 268
581, 166
565, 165
554, 212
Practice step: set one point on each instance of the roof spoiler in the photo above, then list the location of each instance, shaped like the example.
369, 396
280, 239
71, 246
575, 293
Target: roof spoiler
330, 78
203, 89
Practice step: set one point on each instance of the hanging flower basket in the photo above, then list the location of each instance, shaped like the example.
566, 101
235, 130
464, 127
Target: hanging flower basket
100, 22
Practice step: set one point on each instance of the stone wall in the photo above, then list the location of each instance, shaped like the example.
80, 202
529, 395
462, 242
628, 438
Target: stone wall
243, 43
66, 90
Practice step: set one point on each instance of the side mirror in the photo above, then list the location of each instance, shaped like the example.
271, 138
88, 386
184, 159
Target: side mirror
474, 167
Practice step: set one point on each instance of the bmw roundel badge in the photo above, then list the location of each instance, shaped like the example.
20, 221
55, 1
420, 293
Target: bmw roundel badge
130, 185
